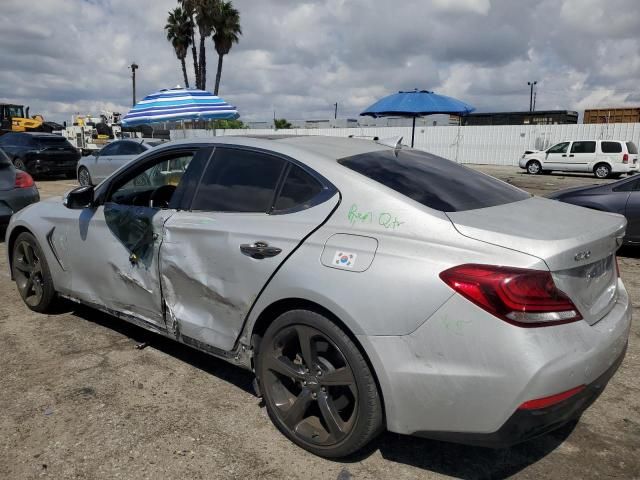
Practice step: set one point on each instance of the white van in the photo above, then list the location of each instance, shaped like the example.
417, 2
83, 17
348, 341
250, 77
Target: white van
604, 158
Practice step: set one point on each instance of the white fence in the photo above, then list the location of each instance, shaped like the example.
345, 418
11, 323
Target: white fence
491, 145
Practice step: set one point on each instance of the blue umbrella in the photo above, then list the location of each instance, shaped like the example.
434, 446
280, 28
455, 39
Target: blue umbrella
417, 103
176, 104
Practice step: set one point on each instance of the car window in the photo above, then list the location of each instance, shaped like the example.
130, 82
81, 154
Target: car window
628, 186
559, 148
4, 160
110, 149
298, 190
632, 148
239, 181
433, 181
129, 148
583, 147
158, 180
611, 147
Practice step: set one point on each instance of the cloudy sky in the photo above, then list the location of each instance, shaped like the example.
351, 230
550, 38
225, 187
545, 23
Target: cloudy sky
298, 57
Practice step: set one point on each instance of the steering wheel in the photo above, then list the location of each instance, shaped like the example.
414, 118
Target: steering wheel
161, 196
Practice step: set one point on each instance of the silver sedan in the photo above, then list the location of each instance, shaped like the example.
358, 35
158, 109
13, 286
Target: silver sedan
93, 169
368, 287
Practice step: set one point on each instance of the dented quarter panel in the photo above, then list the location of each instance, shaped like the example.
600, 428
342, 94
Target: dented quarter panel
209, 285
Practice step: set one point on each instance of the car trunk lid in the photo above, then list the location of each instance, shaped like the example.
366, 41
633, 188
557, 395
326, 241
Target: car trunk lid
578, 245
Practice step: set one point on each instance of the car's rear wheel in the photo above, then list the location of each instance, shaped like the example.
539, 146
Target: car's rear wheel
31, 273
534, 167
602, 170
84, 177
317, 387
19, 164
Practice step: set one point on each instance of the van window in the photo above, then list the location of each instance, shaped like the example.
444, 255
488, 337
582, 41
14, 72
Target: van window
433, 181
583, 147
611, 147
559, 148
632, 148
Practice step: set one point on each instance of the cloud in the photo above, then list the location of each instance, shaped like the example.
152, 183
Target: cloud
299, 57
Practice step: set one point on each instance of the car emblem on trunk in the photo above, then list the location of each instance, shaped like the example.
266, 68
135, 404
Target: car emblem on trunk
582, 255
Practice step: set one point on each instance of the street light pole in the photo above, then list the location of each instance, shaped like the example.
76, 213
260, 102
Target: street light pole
335, 112
531, 84
133, 78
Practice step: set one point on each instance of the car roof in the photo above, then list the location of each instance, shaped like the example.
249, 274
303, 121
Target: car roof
317, 146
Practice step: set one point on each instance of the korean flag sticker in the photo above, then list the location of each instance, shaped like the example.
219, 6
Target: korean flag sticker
344, 259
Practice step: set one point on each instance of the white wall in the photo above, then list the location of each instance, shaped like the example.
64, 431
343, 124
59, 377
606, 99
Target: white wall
492, 145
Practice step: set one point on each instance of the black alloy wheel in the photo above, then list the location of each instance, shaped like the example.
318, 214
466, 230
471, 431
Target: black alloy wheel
31, 274
317, 386
19, 164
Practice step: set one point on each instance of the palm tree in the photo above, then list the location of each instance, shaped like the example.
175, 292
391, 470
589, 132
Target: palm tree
227, 31
179, 30
189, 7
205, 11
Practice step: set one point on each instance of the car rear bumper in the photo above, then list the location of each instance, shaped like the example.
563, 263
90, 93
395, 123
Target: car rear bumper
463, 374
624, 167
51, 166
525, 425
13, 200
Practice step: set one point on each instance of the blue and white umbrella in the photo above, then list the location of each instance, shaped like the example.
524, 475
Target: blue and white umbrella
177, 104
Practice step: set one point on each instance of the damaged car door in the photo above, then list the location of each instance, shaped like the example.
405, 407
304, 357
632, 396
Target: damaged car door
114, 252
250, 211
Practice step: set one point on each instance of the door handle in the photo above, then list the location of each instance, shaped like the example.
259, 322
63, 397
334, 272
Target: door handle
571, 155
259, 250
564, 154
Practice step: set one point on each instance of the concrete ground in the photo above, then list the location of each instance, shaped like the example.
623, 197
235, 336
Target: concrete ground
78, 400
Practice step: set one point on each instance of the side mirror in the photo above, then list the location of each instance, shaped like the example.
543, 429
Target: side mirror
78, 198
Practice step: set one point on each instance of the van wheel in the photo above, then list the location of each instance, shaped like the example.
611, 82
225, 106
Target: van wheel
317, 387
534, 167
602, 170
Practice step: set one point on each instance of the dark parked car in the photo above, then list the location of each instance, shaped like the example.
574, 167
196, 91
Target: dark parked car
621, 197
41, 153
17, 190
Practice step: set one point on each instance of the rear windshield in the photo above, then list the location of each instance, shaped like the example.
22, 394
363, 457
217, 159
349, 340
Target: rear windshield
4, 160
632, 148
53, 141
433, 181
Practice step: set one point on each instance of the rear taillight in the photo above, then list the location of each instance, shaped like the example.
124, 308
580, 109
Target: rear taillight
23, 179
625, 158
527, 298
545, 402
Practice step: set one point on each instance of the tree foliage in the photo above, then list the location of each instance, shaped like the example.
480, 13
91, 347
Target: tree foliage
281, 124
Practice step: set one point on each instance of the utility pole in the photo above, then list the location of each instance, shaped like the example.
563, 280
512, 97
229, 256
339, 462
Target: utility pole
134, 67
335, 112
535, 95
532, 85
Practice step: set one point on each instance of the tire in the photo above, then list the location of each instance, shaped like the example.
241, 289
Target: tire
32, 275
534, 167
602, 170
20, 165
338, 385
84, 177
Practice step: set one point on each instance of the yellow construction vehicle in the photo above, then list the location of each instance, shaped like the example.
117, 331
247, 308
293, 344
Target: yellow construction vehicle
13, 119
